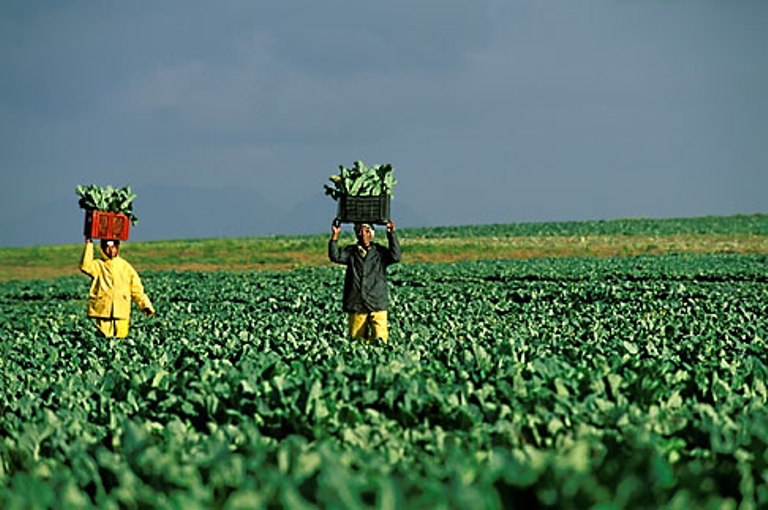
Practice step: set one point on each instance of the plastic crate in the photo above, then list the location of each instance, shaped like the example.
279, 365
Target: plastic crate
372, 209
106, 225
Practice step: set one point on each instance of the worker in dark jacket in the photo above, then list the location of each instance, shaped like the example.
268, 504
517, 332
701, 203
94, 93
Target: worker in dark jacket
366, 298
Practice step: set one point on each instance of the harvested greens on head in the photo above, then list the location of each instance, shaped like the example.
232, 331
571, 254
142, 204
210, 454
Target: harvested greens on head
118, 200
361, 181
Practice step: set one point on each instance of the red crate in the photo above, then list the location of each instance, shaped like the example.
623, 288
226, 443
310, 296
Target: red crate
106, 225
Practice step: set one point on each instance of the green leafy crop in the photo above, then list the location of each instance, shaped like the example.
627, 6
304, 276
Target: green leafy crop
361, 181
118, 200
634, 382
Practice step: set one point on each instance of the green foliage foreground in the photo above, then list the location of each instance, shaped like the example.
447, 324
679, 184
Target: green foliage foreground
567, 383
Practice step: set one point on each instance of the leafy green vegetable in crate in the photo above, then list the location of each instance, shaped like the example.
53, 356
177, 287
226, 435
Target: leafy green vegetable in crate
362, 181
119, 200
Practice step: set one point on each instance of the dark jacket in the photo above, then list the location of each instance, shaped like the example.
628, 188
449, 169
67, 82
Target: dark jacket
365, 281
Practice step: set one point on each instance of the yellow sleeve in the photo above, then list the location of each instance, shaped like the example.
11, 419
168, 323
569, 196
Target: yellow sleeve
137, 293
87, 264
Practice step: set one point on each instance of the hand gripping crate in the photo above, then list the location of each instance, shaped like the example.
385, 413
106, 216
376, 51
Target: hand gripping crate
106, 225
370, 209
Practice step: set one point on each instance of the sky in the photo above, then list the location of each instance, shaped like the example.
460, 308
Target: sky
227, 118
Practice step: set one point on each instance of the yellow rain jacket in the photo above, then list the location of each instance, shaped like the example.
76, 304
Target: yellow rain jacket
115, 283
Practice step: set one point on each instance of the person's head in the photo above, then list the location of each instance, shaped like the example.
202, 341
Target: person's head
110, 248
364, 233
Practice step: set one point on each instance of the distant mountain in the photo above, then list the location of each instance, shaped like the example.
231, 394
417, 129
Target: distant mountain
237, 213
56, 223
179, 212
184, 212
317, 213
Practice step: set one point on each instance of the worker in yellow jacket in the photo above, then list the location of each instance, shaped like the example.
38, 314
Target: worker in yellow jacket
114, 284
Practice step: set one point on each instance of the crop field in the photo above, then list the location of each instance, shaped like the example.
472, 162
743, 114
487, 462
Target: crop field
635, 382
742, 234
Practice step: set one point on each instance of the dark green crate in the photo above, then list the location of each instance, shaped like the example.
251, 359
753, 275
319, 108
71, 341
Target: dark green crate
373, 209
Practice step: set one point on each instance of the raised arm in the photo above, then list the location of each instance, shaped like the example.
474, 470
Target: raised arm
336, 254
394, 244
87, 264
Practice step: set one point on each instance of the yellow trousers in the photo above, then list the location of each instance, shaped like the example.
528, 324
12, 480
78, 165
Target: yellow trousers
113, 327
368, 326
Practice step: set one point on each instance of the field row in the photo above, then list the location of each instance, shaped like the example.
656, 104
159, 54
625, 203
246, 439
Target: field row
746, 234
636, 382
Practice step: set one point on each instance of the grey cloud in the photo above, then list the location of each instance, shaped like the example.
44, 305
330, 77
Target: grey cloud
490, 111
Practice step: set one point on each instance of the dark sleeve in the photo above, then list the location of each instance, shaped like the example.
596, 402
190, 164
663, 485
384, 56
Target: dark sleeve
336, 254
394, 248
